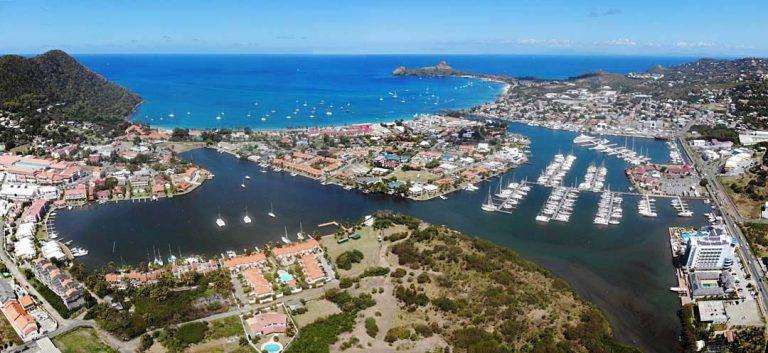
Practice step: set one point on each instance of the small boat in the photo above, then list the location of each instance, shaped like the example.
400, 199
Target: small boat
271, 212
442, 197
77, 252
300, 234
247, 177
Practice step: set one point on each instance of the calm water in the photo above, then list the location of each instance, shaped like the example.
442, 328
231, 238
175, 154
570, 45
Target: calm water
243, 89
625, 269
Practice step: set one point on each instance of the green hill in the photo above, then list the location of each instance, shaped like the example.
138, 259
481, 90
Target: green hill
72, 91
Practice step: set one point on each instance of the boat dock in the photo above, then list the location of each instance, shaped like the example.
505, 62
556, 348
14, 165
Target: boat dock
559, 205
647, 207
605, 146
554, 173
681, 207
609, 209
594, 179
507, 197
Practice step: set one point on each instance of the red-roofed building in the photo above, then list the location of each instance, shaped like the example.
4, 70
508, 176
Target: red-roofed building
313, 273
245, 261
261, 288
267, 324
23, 323
35, 212
287, 253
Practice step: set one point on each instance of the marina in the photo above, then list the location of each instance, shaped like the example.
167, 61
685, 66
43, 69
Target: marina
594, 180
507, 198
646, 206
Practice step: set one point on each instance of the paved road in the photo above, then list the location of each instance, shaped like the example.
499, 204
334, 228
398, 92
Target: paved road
729, 213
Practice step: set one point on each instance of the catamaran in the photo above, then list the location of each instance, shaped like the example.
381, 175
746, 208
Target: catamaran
246, 219
219, 221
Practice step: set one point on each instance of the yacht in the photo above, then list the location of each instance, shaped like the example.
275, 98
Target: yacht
77, 252
247, 177
300, 234
488, 204
271, 212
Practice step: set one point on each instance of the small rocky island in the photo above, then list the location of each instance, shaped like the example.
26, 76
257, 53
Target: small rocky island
439, 70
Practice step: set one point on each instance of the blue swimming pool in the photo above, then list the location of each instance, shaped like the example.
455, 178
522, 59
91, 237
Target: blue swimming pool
272, 347
285, 277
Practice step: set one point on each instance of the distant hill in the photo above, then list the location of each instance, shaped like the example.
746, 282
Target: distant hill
55, 78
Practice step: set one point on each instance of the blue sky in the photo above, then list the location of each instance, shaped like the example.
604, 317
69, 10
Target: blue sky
650, 27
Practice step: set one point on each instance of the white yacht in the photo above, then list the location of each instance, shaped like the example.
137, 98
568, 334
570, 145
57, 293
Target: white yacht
271, 212
284, 238
246, 218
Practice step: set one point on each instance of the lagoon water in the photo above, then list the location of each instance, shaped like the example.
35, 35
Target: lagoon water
624, 269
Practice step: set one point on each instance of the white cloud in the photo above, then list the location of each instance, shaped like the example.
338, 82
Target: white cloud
624, 42
693, 44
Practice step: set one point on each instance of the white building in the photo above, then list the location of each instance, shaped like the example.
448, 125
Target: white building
750, 138
714, 251
738, 160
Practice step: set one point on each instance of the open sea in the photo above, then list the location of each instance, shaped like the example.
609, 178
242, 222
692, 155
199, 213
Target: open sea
624, 269
278, 91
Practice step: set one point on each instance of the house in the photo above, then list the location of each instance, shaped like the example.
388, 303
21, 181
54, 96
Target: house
267, 323
245, 261
310, 266
287, 253
260, 286
35, 212
23, 323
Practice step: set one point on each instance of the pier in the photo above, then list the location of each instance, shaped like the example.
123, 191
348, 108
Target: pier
559, 205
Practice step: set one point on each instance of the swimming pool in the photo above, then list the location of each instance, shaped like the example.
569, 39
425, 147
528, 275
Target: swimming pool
285, 277
272, 347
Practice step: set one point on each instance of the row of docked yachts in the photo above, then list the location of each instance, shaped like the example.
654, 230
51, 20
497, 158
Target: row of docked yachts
554, 173
559, 205
507, 197
605, 146
594, 180
609, 208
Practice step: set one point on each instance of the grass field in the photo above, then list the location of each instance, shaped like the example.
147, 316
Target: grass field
367, 244
7, 333
747, 206
82, 340
316, 309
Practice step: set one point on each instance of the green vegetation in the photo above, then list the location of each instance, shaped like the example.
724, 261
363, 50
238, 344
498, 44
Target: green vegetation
82, 340
158, 306
318, 336
347, 258
176, 339
757, 236
371, 328
226, 327
720, 133
483, 297
72, 91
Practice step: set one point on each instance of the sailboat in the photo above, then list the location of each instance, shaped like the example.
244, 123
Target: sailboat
271, 212
219, 221
488, 204
284, 238
246, 219
242, 185
300, 234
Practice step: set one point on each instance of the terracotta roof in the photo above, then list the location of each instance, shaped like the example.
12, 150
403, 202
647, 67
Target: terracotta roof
252, 259
295, 248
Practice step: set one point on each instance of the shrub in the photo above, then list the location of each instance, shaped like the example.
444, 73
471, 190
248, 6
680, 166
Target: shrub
371, 328
193, 332
397, 333
347, 258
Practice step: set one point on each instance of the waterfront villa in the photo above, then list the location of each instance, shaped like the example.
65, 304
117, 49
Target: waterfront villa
288, 253
241, 262
35, 212
267, 323
194, 266
123, 280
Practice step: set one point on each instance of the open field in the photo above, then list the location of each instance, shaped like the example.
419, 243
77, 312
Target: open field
748, 207
316, 309
367, 244
7, 333
82, 340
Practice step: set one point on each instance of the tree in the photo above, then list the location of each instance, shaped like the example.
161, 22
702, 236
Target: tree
146, 342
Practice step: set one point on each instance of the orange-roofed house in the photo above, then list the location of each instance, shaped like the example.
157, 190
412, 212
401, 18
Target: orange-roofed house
261, 288
27, 302
313, 273
245, 261
267, 323
288, 253
23, 323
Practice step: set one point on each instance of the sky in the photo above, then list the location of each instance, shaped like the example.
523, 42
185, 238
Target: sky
649, 27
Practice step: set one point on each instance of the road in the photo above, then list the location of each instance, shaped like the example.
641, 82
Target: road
729, 213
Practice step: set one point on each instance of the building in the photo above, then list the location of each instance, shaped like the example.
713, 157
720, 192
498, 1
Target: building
60, 282
712, 311
750, 138
267, 323
245, 261
23, 323
713, 251
313, 273
288, 253
711, 284
260, 287
123, 280
35, 212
